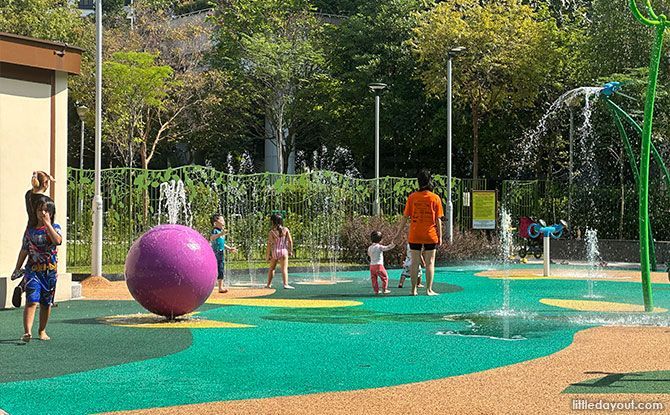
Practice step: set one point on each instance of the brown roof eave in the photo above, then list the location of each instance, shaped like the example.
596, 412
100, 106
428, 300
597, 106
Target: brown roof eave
44, 43
38, 53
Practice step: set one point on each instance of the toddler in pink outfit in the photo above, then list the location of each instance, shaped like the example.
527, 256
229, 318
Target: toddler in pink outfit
376, 254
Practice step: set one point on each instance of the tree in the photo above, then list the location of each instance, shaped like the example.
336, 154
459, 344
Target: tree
135, 94
273, 44
618, 42
338, 7
512, 49
372, 46
223, 120
50, 20
57, 21
46, 19
155, 86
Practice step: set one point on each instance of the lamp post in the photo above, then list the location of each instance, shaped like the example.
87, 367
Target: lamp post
96, 246
131, 16
82, 110
377, 88
570, 163
450, 203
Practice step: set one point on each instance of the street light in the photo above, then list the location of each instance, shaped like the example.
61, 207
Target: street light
96, 246
131, 16
570, 164
450, 203
377, 88
82, 110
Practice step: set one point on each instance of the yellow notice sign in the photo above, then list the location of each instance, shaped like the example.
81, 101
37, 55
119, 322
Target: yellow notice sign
483, 209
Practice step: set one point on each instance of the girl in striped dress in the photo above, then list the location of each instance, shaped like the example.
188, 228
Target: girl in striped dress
280, 247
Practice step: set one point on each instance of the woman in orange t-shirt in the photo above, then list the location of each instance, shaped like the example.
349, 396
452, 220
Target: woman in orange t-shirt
424, 210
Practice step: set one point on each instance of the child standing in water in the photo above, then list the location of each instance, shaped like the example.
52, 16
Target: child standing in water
376, 254
280, 247
218, 240
407, 266
41, 244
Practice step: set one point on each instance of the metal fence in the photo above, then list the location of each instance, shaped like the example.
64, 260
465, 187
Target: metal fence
612, 210
314, 205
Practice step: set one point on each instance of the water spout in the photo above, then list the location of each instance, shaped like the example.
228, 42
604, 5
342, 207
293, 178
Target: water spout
593, 259
173, 200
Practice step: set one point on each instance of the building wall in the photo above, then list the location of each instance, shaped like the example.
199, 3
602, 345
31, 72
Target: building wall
60, 174
25, 146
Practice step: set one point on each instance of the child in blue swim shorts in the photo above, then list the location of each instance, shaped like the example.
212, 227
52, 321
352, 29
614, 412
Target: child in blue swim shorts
40, 244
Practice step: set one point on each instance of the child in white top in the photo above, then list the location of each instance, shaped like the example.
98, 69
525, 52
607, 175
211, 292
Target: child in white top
376, 254
406, 266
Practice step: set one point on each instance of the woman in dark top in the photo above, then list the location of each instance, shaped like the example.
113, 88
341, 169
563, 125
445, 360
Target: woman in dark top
40, 183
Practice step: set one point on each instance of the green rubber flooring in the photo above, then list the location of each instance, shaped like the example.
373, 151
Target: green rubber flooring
642, 382
90, 367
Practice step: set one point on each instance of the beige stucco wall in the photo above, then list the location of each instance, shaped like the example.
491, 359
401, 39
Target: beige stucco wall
60, 175
25, 146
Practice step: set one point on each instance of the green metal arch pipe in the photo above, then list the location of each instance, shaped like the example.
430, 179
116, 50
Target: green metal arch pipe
616, 112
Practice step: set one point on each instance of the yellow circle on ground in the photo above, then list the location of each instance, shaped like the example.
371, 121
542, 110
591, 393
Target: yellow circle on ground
606, 306
285, 303
567, 274
316, 282
322, 282
152, 321
514, 276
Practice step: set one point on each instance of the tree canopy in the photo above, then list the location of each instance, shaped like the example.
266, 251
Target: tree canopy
274, 45
297, 72
511, 50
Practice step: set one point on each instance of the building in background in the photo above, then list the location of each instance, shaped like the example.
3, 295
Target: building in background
33, 136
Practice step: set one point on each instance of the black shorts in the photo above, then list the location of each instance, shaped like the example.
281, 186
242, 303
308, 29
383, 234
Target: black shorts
422, 247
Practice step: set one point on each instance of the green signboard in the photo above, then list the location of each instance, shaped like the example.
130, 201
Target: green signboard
483, 209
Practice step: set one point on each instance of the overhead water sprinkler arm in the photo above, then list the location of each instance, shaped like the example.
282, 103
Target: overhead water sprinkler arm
661, 18
626, 142
645, 143
617, 109
610, 88
654, 151
651, 10
639, 17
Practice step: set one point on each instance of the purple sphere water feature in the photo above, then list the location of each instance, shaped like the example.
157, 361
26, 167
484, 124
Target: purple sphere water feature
171, 270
